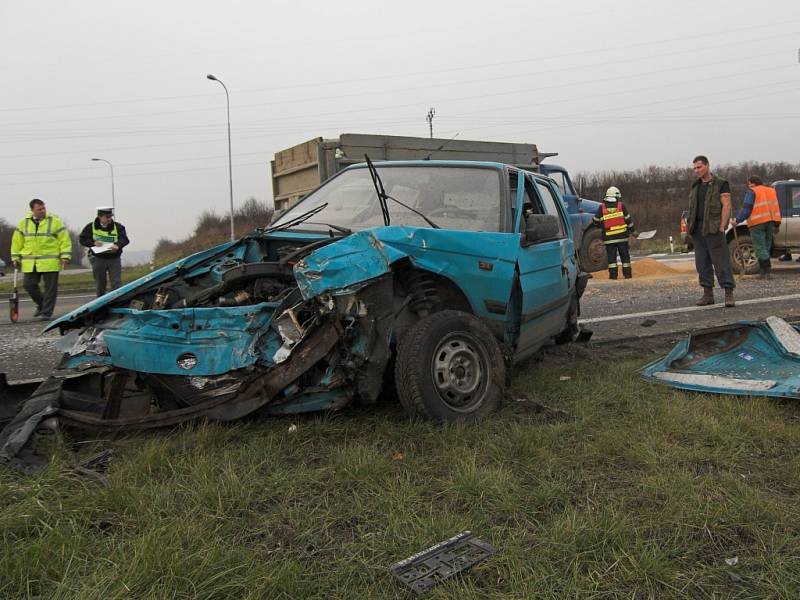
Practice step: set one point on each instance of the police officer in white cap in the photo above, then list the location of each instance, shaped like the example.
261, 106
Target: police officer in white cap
105, 239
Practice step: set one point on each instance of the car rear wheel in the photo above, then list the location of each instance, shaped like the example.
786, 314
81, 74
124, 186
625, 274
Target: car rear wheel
743, 254
593, 255
449, 368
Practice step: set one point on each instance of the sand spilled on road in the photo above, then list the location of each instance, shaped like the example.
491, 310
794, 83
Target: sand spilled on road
646, 267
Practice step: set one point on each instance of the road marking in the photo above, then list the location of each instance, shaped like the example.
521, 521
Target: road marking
685, 309
63, 297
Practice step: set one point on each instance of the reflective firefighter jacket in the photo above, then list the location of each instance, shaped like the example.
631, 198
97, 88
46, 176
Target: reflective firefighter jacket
41, 247
613, 218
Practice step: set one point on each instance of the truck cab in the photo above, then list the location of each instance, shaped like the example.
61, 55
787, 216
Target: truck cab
588, 239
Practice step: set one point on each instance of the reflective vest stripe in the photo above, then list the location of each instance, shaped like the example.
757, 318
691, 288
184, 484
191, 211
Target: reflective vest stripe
765, 207
105, 236
39, 256
614, 220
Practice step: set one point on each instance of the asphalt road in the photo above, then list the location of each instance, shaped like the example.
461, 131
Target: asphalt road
613, 310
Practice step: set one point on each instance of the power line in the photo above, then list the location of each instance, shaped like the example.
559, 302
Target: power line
383, 91
317, 84
249, 124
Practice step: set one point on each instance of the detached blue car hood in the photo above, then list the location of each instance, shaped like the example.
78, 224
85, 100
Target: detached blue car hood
749, 358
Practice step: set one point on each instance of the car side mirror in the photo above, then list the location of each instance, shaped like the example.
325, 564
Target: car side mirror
539, 228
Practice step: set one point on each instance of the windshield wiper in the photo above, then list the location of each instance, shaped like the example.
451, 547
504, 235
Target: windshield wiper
298, 219
339, 228
383, 196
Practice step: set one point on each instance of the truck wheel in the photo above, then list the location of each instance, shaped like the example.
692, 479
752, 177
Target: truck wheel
593, 255
743, 254
449, 368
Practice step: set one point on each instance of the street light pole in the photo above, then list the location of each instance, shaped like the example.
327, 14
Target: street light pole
113, 199
230, 166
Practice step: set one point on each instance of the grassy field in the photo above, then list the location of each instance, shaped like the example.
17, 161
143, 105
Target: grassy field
627, 490
82, 281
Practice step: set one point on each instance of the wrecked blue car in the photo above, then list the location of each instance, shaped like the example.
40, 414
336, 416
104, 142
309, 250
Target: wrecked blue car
430, 277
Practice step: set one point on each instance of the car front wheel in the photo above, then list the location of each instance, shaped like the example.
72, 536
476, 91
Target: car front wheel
449, 368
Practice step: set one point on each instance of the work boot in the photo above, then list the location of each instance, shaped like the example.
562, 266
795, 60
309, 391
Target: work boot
612, 273
729, 301
627, 273
707, 299
38, 311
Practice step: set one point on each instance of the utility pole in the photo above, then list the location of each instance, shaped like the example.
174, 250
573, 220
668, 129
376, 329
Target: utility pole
429, 118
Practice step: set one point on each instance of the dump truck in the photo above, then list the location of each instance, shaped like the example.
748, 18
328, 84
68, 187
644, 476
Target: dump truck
298, 170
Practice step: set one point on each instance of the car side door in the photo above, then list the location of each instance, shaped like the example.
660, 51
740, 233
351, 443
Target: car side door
789, 235
543, 276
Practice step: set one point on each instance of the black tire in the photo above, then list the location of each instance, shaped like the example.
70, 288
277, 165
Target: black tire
449, 369
743, 254
593, 255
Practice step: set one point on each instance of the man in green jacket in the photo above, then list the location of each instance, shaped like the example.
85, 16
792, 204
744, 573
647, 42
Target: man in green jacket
709, 213
41, 247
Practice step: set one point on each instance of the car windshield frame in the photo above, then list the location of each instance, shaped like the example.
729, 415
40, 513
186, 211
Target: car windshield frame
454, 204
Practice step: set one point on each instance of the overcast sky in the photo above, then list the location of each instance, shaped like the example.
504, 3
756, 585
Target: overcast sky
607, 85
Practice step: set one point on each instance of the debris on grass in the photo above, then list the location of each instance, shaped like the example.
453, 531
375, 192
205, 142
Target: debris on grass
95, 467
526, 406
425, 569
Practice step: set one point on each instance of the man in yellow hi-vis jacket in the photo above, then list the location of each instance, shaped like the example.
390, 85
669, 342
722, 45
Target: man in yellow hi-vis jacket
41, 246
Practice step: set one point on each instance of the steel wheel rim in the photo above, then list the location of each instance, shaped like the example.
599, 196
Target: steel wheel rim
460, 372
745, 255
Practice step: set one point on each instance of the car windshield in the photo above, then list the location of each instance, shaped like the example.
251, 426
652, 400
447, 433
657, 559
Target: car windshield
463, 198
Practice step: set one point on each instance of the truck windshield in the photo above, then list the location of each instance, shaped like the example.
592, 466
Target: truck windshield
462, 198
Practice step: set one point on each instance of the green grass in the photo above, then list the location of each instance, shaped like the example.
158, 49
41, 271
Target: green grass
81, 281
638, 492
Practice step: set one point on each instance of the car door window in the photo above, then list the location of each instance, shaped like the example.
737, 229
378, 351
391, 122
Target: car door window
531, 205
795, 198
549, 199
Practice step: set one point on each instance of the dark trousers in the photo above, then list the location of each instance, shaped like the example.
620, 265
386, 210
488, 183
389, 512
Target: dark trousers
623, 249
45, 303
105, 269
711, 256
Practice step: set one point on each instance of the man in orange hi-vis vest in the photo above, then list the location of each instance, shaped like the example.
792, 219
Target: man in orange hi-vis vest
763, 215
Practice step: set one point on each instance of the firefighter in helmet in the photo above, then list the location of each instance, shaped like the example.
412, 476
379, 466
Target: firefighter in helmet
613, 218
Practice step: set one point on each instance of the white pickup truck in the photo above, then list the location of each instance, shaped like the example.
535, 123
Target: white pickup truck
787, 240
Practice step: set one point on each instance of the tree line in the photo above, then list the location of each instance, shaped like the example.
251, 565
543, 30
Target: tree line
212, 229
656, 196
